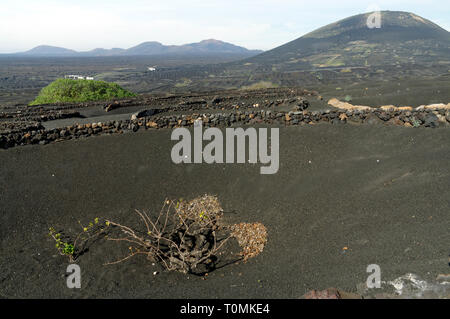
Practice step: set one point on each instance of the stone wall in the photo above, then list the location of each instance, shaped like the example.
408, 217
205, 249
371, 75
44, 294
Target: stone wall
347, 106
15, 134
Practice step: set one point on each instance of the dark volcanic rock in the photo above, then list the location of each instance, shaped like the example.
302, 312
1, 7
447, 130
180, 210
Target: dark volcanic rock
192, 103
372, 119
384, 116
431, 120
301, 104
3, 142
134, 127
145, 113
330, 293
217, 100
336, 121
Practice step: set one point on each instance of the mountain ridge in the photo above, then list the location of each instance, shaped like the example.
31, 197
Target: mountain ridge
149, 48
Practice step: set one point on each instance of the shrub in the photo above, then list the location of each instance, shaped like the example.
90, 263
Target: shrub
69, 90
190, 234
184, 236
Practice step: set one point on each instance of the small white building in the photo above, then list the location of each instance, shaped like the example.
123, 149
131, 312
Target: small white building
78, 77
151, 68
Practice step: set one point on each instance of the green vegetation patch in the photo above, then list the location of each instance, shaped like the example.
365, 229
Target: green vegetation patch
68, 90
185, 83
260, 85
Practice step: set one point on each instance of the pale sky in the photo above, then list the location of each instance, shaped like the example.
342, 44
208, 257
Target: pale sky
255, 24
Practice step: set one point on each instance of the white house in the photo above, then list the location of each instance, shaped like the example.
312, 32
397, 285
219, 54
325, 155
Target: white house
78, 77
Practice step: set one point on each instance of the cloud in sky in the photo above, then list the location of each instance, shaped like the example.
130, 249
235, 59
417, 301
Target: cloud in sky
255, 24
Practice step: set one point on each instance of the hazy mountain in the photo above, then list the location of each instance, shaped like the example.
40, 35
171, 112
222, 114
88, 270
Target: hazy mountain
216, 46
206, 47
403, 38
47, 50
147, 48
103, 52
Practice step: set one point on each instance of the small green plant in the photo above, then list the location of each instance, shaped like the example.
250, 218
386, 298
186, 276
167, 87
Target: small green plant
68, 249
68, 90
64, 248
73, 248
415, 122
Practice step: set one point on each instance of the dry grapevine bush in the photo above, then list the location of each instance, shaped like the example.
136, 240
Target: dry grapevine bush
251, 237
188, 236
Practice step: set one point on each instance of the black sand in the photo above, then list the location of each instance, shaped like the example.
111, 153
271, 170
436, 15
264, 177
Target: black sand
331, 192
